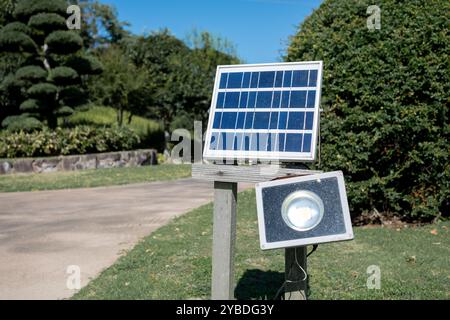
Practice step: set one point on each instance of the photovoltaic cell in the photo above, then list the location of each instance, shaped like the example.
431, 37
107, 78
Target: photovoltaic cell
261, 120
232, 99
254, 80
287, 79
298, 99
265, 110
246, 81
264, 99
266, 79
296, 121
235, 80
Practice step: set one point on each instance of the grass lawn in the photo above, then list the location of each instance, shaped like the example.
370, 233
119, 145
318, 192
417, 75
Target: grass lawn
175, 263
92, 178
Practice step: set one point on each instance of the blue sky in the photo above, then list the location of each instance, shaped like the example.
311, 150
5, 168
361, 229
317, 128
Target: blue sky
259, 29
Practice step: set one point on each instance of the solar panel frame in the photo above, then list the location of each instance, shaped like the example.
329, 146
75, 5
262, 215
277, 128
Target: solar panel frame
247, 87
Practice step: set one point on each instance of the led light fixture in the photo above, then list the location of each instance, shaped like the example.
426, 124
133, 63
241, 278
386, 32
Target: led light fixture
303, 210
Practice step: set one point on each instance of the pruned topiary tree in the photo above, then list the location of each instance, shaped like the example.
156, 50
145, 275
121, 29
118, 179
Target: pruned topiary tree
385, 100
53, 66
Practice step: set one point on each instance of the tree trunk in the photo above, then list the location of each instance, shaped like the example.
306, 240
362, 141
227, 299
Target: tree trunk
52, 120
120, 117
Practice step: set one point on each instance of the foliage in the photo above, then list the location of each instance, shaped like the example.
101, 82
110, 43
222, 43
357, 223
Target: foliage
27, 106
16, 41
100, 25
64, 75
180, 78
7, 8
31, 73
78, 140
47, 22
24, 123
150, 132
63, 42
17, 27
26, 9
85, 64
122, 86
39, 52
43, 91
385, 100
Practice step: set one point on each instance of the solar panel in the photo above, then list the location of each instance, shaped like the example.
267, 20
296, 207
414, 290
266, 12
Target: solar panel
265, 112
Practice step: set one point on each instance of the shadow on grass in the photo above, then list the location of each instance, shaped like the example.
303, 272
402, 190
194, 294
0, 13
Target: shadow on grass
260, 285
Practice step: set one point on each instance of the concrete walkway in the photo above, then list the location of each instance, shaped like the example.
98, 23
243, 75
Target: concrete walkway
43, 233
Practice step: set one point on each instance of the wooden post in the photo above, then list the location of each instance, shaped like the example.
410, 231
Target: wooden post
224, 229
295, 287
224, 237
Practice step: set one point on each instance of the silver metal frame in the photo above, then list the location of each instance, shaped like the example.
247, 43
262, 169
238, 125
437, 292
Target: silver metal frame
347, 235
260, 155
303, 194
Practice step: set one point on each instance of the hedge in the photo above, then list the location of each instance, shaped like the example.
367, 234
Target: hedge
78, 140
386, 102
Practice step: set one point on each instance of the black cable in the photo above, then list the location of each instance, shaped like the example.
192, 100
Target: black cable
313, 249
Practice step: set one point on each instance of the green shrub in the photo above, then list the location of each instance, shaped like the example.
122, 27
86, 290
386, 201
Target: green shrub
47, 22
16, 41
78, 140
64, 75
31, 105
150, 132
22, 122
17, 27
85, 64
42, 90
32, 73
385, 100
26, 8
73, 96
63, 42
64, 111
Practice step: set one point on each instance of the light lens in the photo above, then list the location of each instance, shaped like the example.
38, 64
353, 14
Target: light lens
302, 210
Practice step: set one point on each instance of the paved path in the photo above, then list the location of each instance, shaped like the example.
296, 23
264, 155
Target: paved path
42, 233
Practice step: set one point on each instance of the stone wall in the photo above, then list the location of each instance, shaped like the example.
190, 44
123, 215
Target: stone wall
79, 162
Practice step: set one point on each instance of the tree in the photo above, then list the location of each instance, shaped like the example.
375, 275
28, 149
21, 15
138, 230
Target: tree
7, 8
385, 100
100, 26
53, 65
180, 77
122, 85
161, 55
207, 52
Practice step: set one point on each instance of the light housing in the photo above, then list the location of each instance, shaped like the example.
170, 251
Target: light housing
303, 210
